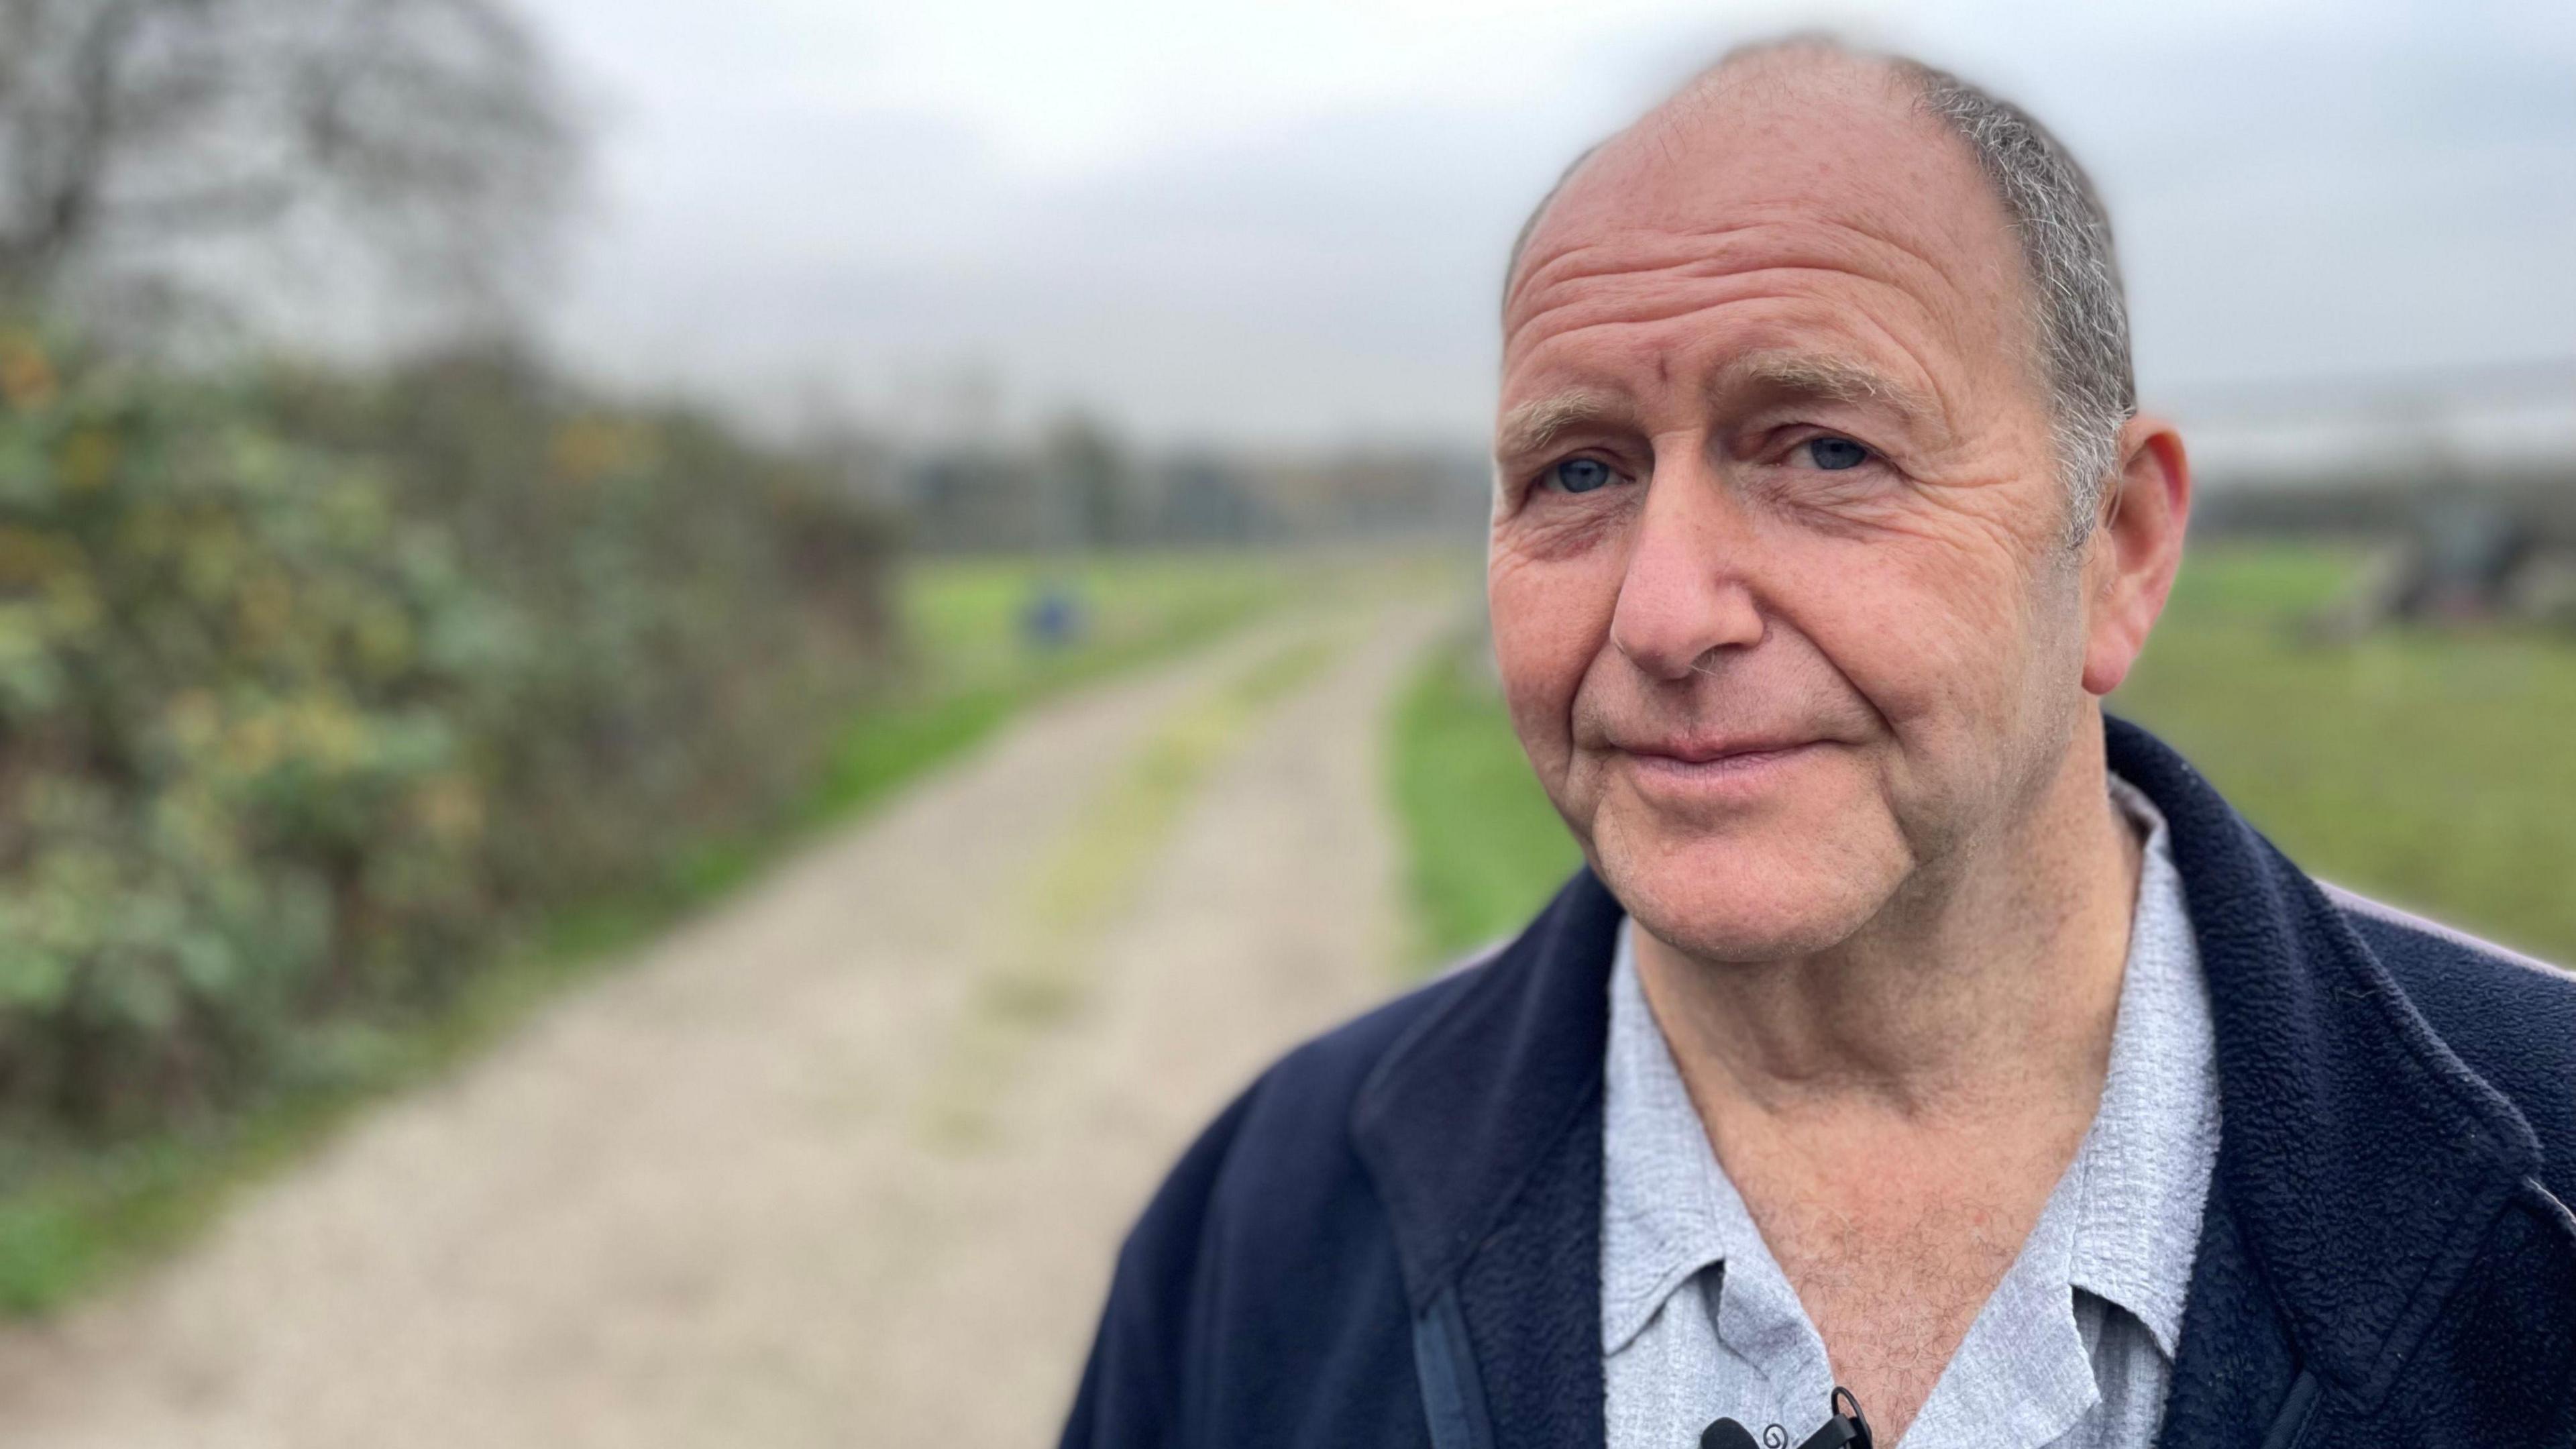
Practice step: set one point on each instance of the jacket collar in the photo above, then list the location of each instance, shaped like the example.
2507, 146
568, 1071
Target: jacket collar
1474, 1100
2359, 1157
1482, 1131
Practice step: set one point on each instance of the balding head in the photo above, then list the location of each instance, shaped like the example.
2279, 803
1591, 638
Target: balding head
2074, 317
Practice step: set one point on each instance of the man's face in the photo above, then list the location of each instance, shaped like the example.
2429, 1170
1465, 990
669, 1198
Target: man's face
1779, 589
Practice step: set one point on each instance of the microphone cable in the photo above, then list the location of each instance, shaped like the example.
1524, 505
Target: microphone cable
1845, 1427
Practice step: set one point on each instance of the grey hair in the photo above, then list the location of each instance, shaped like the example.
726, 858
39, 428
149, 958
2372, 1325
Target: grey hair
2081, 314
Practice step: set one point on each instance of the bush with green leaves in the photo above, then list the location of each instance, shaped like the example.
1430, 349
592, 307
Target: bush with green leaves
313, 688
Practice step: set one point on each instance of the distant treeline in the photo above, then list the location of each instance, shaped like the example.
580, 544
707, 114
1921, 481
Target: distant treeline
313, 688
1079, 486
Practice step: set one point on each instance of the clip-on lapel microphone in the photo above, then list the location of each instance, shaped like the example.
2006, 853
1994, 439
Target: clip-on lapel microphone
1846, 1429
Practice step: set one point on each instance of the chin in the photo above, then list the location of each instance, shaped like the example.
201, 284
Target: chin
1764, 891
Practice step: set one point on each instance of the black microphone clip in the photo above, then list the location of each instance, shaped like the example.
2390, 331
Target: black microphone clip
1846, 1428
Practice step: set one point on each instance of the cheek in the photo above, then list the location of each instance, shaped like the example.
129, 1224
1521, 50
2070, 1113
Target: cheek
1551, 619
1934, 632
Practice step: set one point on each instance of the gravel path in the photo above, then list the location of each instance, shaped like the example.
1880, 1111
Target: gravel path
842, 1163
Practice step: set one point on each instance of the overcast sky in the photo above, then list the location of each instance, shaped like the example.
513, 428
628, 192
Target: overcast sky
1285, 222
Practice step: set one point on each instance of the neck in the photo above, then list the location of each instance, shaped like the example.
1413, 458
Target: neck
1989, 989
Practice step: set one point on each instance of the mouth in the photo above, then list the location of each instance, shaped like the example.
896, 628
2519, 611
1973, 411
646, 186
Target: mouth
1719, 767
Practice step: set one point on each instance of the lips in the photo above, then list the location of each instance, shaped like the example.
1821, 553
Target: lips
1710, 751
1700, 773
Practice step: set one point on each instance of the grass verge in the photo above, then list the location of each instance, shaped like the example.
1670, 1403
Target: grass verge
1483, 846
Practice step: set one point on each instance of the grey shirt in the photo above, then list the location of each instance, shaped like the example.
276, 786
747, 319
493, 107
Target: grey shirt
2075, 1349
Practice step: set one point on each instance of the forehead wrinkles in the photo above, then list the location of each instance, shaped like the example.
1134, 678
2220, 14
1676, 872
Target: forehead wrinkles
1628, 299
1876, 288
1779, 167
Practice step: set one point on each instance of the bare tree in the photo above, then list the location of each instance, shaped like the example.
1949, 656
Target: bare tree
140, 138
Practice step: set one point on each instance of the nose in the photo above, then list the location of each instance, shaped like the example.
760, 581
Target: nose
1685, 599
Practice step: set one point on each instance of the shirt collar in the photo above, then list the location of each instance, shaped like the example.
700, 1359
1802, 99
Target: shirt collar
2143, 1173
2123, 1224
1668, 1210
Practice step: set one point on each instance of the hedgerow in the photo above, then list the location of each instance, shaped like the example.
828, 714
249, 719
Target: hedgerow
312, 689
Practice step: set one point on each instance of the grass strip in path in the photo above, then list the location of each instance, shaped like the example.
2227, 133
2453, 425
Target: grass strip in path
1091, 874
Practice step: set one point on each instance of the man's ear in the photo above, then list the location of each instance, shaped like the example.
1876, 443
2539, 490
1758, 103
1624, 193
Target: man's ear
2135, 550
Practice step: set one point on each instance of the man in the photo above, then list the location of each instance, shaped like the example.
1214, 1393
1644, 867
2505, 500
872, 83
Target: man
1912, 1029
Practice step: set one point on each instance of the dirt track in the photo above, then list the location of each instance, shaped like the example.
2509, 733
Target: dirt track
842, 1163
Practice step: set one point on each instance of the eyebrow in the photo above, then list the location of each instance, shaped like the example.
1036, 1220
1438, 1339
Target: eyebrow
1838, 379
1532, 426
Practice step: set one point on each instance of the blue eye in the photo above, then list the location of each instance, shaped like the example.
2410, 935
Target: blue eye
1580, 475
1835, 454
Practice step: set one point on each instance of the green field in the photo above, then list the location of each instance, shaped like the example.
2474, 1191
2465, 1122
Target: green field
2431, 769
74, 1212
